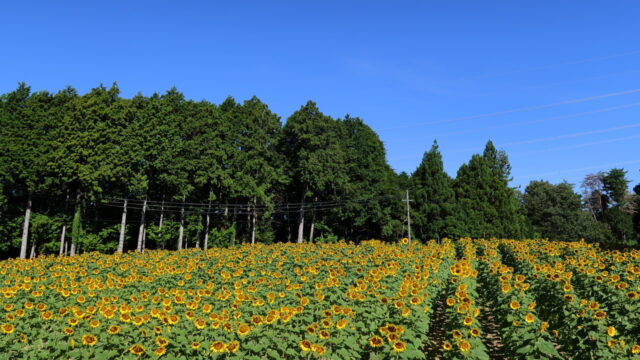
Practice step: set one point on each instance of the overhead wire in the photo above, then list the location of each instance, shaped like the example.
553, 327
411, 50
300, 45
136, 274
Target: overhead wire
517, 110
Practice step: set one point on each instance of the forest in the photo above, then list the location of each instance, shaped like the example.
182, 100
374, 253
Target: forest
100, 172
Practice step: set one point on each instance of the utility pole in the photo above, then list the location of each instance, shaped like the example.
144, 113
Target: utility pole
407, 200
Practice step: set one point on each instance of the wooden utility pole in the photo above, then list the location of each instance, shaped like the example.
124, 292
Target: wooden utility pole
407, 200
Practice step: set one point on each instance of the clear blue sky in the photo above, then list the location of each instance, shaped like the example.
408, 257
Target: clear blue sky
415, 71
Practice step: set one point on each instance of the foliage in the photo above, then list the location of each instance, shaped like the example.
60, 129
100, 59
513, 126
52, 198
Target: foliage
553, 210
79, 156
374, 300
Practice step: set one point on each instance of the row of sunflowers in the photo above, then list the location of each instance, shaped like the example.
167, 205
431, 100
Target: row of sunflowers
372, 300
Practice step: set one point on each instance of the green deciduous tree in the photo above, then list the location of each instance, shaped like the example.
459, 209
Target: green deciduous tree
554, 211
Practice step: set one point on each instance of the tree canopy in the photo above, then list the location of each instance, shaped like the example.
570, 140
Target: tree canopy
100, 172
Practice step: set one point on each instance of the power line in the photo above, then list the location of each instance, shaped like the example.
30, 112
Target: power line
517, 110
577, 146
240, 209
554, 138
528, 122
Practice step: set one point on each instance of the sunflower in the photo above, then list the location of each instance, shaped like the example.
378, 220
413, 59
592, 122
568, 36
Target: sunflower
68, 331
399, 346
305, 345
200, 323
114, 329
233, 346
529, 318
475, 332
324, 334
162, 341
451, 301
376, 341
8, 328
173, 319
243, 329
318, 349
447, 346
137, 349
514, 305
599, 315
468, 321
544, 326
390, 328
196, 345
218, 346
89, 339
464, 346
611, 331
635, 349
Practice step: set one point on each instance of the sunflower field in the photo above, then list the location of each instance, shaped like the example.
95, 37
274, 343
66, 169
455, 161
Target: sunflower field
463, 299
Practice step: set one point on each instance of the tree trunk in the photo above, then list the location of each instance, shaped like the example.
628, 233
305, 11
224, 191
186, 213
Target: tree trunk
123, 224
62, 243
142, 224
207, 222
161, 217
77, 225
181, 232
301, 222
233, 224
253, 222
25, 228
33, 250
248, 219
313, 221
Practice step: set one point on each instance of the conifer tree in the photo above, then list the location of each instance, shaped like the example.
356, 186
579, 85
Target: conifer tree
316, 160
487, 206
434, 198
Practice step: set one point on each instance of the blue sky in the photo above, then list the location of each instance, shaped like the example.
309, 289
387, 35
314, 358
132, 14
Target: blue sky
555, 84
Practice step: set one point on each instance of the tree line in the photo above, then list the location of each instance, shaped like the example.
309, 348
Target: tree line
99, 172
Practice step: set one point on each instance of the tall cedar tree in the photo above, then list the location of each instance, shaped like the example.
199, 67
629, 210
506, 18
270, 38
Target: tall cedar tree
617, 212
85, 157
257, 166
316, 161
434, 198
488, 207
369, 190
